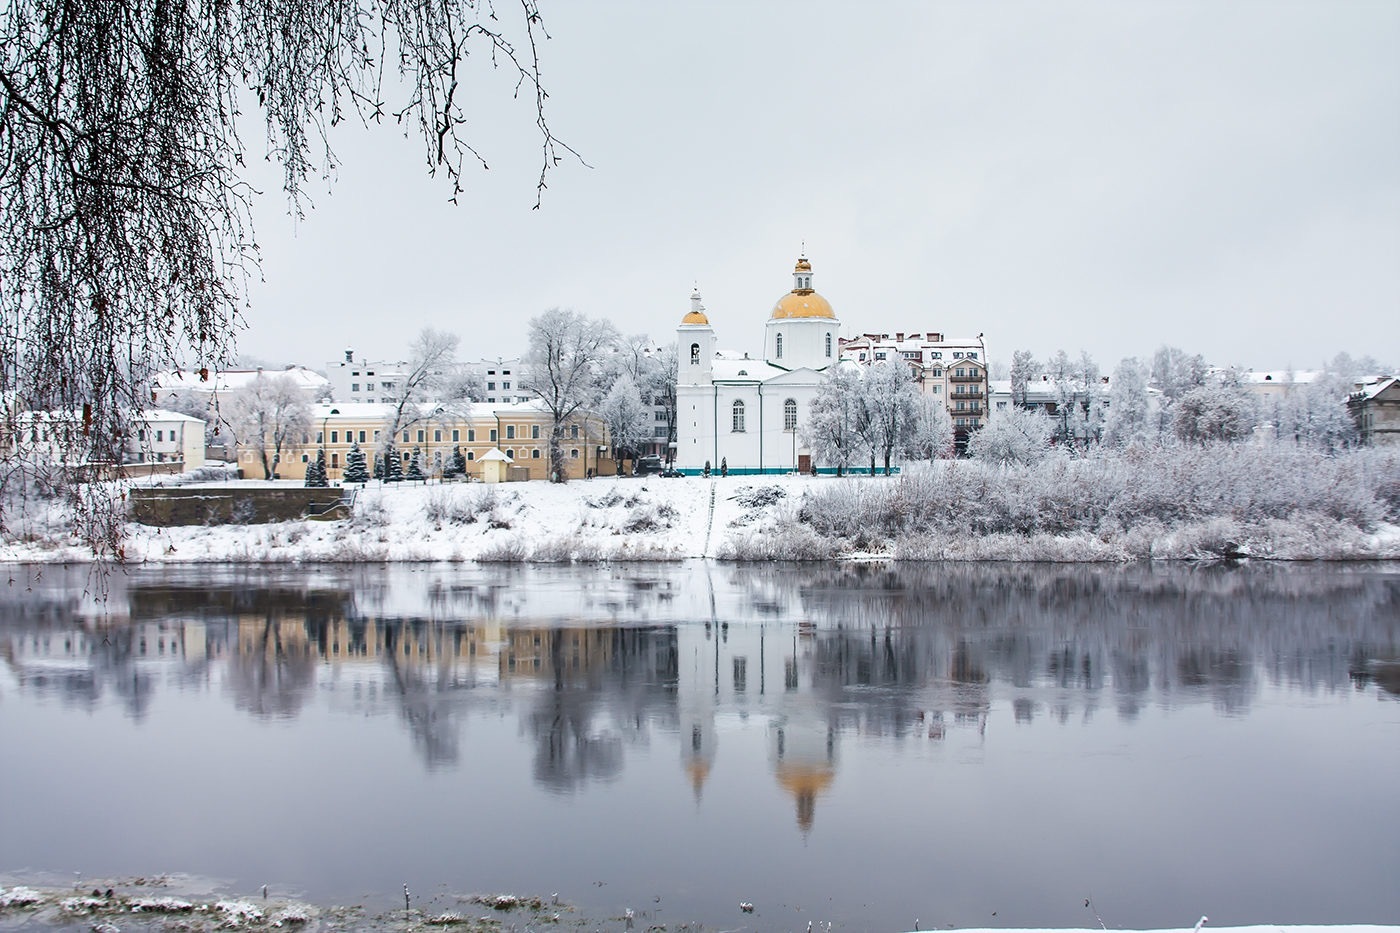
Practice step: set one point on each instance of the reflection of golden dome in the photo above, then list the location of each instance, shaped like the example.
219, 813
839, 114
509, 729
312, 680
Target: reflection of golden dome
698, 769
696, 317
802, 303
805, 782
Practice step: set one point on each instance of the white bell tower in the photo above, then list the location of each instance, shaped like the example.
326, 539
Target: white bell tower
695, 346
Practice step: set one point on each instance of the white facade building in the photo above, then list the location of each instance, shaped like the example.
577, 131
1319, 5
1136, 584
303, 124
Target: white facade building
501, 380
746, 412
364, 380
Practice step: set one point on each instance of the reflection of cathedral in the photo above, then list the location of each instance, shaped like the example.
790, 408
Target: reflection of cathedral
754, 669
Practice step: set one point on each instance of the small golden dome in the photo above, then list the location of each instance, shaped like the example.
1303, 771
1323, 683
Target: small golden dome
803, 265
695, 317
802, 303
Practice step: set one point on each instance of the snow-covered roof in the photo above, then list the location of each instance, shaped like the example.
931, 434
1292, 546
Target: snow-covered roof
372, 411
1374, 389
152, 415
495, 453
1280, 376
228, 380
730, 369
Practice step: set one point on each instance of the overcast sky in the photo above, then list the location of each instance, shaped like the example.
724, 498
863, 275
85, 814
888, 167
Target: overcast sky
1223, 177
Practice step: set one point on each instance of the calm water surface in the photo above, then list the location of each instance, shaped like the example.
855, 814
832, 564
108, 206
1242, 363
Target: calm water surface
982, 745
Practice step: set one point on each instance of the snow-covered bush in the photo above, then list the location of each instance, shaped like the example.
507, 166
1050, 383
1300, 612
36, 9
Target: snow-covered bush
1114, 493
369, 513
1012, 436
511, 550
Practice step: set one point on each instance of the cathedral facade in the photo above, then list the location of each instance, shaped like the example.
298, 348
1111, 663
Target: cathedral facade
749, 413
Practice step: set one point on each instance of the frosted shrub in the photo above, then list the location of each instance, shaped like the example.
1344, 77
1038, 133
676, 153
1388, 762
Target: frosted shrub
506, 550
796, 542
1191, 500
369, 513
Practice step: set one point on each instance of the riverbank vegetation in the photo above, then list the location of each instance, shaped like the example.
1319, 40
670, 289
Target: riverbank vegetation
1204, 501
1214, 500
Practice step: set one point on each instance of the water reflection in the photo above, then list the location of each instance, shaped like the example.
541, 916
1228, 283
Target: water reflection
868, 649
804, 690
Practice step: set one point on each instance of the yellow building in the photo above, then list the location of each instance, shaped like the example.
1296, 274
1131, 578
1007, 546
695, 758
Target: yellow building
520, 431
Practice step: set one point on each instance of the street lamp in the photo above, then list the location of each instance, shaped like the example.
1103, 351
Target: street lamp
324, 436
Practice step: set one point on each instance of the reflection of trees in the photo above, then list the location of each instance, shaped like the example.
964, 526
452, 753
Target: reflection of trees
588, 709
431, 700
271, 675
1072, 634
888, 649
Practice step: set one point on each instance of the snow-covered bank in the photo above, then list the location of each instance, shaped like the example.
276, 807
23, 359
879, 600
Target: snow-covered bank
1183, 503
1262, 928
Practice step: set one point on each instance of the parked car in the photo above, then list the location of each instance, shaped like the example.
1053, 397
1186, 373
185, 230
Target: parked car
670, 474
647, 466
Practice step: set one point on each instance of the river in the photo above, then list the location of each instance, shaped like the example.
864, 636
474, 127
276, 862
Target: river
864, 745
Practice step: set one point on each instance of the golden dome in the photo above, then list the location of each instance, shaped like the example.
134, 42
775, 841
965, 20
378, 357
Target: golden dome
695, 317
803, 265
802, 303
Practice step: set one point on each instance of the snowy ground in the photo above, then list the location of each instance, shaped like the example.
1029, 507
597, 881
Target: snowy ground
1176, 505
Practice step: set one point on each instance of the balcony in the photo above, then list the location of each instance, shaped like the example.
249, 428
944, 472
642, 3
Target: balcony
954, 377
974, 392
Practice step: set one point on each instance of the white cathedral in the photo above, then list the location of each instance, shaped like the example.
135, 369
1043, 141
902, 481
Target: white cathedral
750, 413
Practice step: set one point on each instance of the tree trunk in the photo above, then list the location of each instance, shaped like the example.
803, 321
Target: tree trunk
556, 454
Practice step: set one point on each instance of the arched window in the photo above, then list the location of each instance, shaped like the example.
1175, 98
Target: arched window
790, 415
535, 454
694, 354
778, 347
471, 455
828, 344
738, 417
573, 453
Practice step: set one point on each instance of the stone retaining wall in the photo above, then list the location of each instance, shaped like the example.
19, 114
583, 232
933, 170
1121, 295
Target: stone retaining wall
231, 505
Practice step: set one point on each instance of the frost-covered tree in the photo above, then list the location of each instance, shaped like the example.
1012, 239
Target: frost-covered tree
1023, 370
1315, 413
1012, 435
1214, 413
563, 369
1061, 372
419, 396
1130, 407
830, 429
270, 415
891, 401
628, 420
1089, 399
415, 467
126, 231
393, 465
456, 464
1176, 372
355, 469
316, 476
933, 435
461, 385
